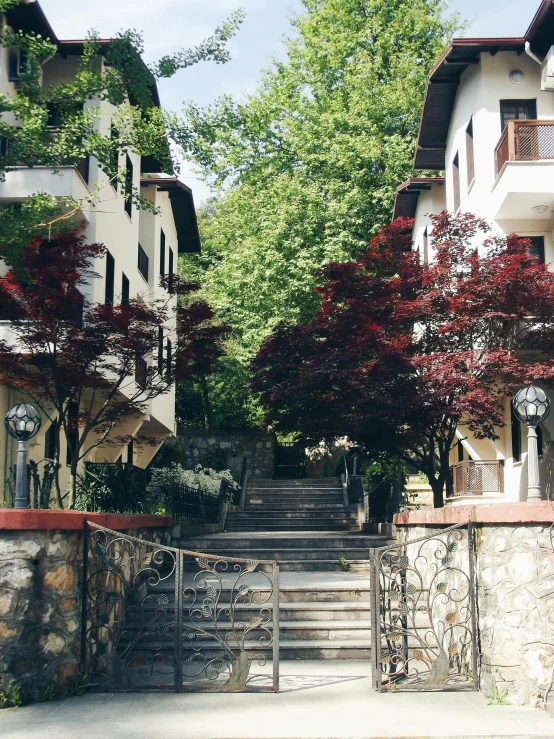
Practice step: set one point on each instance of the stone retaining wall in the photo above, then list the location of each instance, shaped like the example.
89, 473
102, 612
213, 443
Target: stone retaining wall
514, 571
257, 446
41, 555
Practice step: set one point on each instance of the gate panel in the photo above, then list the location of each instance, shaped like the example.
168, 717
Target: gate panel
159, 618
423, 613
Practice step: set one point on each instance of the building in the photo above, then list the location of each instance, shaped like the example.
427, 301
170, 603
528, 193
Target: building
488, 125
141, 245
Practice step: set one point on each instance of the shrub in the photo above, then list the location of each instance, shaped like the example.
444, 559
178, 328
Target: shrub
202, 478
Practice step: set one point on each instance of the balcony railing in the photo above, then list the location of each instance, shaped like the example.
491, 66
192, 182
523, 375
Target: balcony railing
476, 478
525, 141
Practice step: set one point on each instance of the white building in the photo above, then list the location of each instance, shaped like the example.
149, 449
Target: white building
488, 124
141, 245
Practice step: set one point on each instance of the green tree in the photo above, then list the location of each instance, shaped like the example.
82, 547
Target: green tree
308, 165
57, 124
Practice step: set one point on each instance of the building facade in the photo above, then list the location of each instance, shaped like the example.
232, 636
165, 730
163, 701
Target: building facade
141, 244
487, 129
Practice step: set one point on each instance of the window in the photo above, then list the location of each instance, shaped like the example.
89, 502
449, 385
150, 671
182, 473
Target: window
128, 186
17, 64
131, 452
124, 289
516, 438
72, 436
114, 158
470, 153
50, 443
539, 441
141, 372
426, 246
169, 362
160, 350
143, 262
170, 268
4, 146
110, 277
537, 247
460, 452
162, 253
456, 182
517, 110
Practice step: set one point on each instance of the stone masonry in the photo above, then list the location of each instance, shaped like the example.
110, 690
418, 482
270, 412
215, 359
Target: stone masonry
257, 446
514, 569
40, 607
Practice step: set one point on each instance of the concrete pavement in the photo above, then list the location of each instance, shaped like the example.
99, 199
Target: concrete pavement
317, 700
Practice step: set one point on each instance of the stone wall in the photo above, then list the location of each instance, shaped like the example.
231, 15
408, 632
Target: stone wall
40, 594
514, 569
257, 446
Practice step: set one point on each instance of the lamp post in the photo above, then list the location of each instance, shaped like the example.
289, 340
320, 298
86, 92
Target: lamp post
23, 421
532, 406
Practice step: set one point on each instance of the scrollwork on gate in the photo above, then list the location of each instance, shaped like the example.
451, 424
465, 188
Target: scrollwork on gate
424, 620
155, 617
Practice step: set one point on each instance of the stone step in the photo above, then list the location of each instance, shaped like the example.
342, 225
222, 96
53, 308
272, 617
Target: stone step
280, 500
298, 507
296, 483
291, 525
343, 631
314, 540
271, 514
284, 554
288, 649
327, 613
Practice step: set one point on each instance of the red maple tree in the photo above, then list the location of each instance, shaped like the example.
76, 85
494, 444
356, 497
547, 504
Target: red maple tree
86, 365
401, 353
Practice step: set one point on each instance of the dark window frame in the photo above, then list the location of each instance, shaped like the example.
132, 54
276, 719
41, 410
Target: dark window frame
470, 153
529, 103
143, 263
162, 252
538, 248
426, 246
72, 430
128, 192
160, 350
109, 280
169, 362
124, 289
50, 443
516, 436
456, 182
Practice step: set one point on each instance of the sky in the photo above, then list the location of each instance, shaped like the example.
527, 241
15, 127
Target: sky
169, 25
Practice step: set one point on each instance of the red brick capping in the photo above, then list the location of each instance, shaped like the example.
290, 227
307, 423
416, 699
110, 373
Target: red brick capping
499, 513
30, 519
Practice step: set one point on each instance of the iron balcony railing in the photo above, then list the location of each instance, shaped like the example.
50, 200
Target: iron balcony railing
194, 506
476, 478
525, 141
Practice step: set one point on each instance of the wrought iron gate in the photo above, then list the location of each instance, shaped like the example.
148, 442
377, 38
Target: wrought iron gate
159, 618
423, 613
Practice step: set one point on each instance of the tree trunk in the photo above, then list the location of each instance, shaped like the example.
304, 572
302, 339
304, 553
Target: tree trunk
73, 481
206, 404
437, 486
57, 465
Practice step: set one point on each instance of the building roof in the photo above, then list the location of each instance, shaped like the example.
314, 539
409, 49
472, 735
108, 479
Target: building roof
407, 195
444, 78
29, 16
184, 212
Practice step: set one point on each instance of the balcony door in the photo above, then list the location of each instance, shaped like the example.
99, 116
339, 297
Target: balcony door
517, 110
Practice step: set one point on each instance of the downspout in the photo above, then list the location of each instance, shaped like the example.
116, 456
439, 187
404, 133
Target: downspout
529, 53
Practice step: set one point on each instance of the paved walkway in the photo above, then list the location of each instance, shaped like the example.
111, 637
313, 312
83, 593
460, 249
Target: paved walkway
318, 699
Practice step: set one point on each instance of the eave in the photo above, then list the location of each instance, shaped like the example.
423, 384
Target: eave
184, 212
407, 195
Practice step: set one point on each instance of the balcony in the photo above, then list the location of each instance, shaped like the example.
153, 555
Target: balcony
22, 182
524, 157
483, 477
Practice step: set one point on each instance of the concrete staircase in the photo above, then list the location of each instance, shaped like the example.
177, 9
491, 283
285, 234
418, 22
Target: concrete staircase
324, 560
293, 505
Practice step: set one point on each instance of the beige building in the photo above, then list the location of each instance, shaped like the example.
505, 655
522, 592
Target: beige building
488, 125
141, 245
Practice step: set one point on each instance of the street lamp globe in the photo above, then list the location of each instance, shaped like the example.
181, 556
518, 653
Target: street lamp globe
531, 405
23, 421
